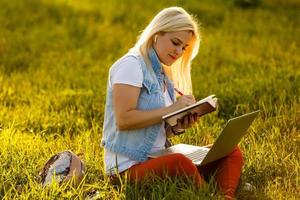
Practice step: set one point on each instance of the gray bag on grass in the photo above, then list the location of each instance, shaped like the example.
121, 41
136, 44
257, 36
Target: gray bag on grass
63, 167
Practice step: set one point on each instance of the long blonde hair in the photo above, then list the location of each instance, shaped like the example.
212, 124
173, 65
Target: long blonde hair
172, 19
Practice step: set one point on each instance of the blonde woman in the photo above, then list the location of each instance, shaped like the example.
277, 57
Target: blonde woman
140, 91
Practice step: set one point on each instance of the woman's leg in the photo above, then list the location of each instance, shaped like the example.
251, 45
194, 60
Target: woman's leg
170, 165
227, 172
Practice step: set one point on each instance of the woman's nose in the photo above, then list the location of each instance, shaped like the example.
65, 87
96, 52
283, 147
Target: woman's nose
178, 51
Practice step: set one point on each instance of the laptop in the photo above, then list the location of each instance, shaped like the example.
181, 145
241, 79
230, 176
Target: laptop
228, 139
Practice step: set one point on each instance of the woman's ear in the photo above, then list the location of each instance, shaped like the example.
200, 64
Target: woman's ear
156, 35
155, 38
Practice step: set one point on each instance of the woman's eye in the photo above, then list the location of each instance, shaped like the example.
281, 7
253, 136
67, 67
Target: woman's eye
175, 43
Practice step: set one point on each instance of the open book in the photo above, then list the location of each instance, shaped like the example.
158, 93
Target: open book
201, 107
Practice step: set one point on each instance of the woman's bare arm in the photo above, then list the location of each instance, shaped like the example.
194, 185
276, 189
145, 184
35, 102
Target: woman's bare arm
125, 99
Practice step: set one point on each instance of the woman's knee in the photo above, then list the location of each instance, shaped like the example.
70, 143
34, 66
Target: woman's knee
180, 158
237, 154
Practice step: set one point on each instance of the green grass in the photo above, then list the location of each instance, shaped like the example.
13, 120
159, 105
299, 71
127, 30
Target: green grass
54, 59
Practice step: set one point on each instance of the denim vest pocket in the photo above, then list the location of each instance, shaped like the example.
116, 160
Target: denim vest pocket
150, 84
150, 94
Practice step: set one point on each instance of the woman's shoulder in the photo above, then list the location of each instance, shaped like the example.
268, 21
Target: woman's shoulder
128, 59
127, 70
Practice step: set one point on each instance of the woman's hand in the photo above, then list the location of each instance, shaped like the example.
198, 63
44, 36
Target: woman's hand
186, 122
184, 101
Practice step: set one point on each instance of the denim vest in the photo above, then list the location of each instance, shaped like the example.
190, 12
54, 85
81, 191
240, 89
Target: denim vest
137, 143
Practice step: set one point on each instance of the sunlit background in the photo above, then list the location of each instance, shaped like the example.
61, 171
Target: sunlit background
54, 61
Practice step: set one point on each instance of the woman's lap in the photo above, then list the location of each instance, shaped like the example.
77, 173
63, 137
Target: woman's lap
170, 165
226, 171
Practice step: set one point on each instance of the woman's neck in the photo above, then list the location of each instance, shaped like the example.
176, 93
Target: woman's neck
167, 70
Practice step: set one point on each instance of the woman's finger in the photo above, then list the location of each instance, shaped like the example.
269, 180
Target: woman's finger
179, 124
196, 117
186, 122
191, 119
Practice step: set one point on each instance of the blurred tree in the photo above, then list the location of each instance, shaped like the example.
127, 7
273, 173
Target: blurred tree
247, 3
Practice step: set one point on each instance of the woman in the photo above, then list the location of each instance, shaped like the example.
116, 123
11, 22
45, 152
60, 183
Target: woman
141, 90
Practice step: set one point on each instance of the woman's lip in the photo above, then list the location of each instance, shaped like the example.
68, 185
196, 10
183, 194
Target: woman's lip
172, 57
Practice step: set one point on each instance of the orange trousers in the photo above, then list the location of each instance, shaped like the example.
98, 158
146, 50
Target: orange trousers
226, 171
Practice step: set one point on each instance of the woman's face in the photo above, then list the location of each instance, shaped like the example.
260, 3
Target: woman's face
171, 45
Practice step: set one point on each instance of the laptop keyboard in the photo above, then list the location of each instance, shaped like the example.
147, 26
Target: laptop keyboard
197, 155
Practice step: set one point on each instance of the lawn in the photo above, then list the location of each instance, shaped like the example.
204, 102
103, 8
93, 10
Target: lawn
54, 61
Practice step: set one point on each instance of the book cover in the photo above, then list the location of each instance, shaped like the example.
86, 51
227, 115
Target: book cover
202, 107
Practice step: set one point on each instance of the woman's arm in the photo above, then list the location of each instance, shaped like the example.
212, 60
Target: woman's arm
125, 99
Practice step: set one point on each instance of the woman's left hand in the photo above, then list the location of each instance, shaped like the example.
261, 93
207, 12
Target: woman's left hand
187, 121
182, 124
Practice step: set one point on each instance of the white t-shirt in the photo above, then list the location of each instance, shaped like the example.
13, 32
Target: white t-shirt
129, 72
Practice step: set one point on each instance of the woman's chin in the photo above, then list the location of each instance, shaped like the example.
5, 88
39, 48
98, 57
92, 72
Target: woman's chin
168, 63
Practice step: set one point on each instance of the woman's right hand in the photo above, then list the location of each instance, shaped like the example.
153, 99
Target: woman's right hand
184, 101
